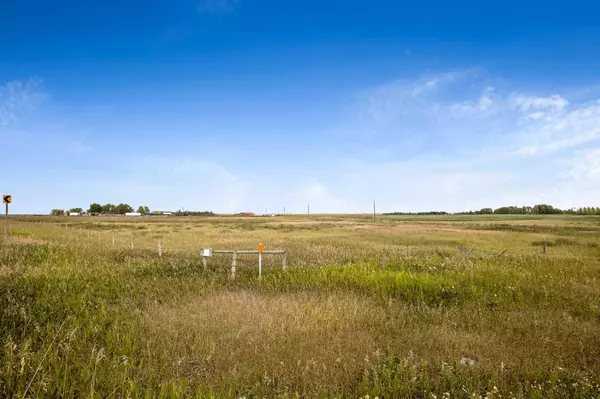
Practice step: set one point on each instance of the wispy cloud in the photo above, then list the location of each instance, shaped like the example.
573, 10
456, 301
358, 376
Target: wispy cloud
573, 127
505, 138
525, 103
18, 98
218, 6
482, 105
463, 106
452, 141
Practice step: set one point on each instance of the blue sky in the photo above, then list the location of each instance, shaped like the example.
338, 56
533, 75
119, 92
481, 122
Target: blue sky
247, 105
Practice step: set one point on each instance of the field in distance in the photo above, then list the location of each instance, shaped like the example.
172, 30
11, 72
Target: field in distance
404, 306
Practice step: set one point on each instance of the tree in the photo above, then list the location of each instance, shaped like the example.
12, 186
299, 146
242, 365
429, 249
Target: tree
486, 211
123, 208
144, 210
75, 210
108, 208
95, 208
544, 209
509, 210
57, 212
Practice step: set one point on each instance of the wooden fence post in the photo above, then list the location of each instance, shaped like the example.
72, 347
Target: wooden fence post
204, 263
259, 265
544, 245
284, 260
469, 253
159, 249
233, 265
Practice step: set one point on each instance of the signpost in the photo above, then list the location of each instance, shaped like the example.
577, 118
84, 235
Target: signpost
261, 248
6, 199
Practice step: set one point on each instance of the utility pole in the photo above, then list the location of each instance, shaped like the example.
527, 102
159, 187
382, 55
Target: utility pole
373, 210
308, 209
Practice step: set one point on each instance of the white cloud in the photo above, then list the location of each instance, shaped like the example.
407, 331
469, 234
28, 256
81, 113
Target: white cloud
18, 98
537, 115
525, 103
396, 99
429, 84
480, 106
537, 107
578, 126
506, 138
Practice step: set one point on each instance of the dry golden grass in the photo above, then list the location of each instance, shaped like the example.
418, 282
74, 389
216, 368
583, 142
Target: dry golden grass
310, 342
301, 342
338, 323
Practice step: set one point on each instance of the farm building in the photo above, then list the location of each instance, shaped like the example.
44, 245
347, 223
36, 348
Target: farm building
133, 214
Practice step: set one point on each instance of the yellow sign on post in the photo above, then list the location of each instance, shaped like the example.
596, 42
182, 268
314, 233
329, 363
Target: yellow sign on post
6, 199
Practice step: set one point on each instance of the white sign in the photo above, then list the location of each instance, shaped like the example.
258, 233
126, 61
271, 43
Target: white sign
206, 251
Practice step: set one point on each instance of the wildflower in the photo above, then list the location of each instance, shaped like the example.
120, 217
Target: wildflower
465, 361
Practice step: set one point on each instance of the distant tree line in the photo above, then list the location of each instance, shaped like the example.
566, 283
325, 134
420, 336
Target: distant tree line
585, 211
108, 209
116, 209
540, 209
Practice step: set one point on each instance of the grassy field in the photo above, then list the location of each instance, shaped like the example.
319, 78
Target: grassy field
427, 307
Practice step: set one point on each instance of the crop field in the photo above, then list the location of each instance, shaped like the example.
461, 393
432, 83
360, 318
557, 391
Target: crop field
425, 307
